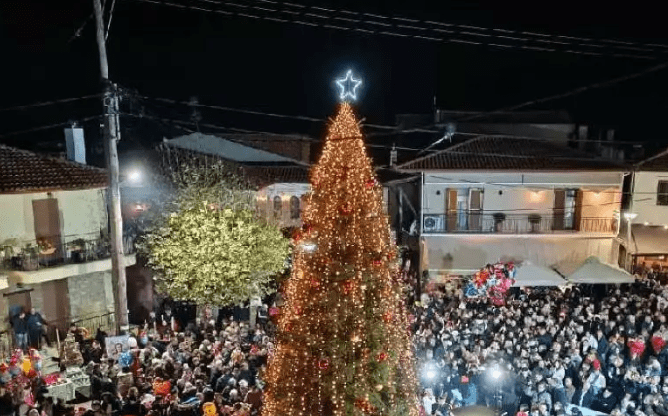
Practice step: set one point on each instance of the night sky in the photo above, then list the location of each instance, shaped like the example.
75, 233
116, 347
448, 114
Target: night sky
162, 51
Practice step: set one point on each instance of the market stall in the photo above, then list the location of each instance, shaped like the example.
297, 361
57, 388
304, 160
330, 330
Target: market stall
529, 274
594, 272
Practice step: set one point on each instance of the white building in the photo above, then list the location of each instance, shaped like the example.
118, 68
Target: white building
648, 206
281, 180
54, 239
494, 198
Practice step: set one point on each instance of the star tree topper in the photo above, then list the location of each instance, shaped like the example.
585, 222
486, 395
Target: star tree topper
348, 86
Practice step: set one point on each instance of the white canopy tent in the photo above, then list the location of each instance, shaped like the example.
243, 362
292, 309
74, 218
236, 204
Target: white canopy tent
593, 271
531, 275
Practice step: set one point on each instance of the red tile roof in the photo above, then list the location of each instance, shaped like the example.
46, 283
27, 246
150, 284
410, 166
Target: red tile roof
506, 153
26, 172
658, 163
266, 175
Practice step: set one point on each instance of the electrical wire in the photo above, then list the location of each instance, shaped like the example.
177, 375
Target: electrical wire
47, 103
46, 127
111, 15
395, 130
296, 14
575, 91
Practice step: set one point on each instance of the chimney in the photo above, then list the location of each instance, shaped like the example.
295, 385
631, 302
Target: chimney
393, 156
76, 147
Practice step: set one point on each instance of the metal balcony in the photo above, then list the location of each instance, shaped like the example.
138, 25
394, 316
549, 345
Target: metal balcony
484, 222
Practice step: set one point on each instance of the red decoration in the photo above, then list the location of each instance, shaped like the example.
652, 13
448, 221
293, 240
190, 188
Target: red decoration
346, 209
658, 343
348, 286
288, 327
381, 357
307, 228
323, 364
299, 310
315, 283
370, 183
3, 367
365, 406
377, 263
273, 311
637, 347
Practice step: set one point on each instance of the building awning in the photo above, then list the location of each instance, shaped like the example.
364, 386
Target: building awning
649, 239
593, 271
529, 274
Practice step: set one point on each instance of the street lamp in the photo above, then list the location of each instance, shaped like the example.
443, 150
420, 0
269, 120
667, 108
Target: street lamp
496, 375
134, 176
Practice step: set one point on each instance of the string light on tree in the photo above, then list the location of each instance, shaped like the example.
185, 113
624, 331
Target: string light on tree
342, 348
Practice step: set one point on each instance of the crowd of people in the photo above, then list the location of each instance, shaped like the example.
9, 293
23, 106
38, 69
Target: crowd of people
547, 352
543, 352
209, 369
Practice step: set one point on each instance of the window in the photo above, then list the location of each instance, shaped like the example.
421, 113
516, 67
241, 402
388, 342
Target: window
278, 206
294, 208
662, 193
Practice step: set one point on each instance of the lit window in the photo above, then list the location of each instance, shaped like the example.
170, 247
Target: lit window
278, 206
294, 207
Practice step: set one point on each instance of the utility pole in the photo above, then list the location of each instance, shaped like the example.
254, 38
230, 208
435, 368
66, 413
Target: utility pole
111, 136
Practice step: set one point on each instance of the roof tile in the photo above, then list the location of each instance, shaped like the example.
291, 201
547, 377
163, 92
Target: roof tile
24, 172
506, 153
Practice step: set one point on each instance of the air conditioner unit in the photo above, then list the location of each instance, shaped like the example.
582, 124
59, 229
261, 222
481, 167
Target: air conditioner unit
433, 223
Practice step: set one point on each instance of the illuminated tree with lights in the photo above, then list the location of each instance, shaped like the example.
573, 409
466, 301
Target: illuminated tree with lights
343, 344
207, 244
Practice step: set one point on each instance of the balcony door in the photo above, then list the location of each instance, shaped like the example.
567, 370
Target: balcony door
475, 210
451, 209
567, 207
46, 218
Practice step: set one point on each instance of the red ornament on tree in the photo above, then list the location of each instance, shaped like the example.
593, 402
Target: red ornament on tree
370, 183
377, 263
348, 286
273, 311
346, 209
315, 283
323, 364
288, 327
364, 405
381, 357
299, 310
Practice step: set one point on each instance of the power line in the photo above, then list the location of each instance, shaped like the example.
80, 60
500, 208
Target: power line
575, 91
395, 130
46, 127
111, 14
47, 103
371, 24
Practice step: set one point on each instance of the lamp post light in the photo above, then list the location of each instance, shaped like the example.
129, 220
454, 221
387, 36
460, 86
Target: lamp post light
497, 376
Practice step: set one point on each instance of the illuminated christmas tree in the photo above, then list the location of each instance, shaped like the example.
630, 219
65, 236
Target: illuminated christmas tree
343, 343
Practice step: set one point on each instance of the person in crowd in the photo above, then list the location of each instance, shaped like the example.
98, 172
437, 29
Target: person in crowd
36, 329
20, 326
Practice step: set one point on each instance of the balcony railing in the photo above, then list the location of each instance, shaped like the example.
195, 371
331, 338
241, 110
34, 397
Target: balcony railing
483, 222
56, 251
